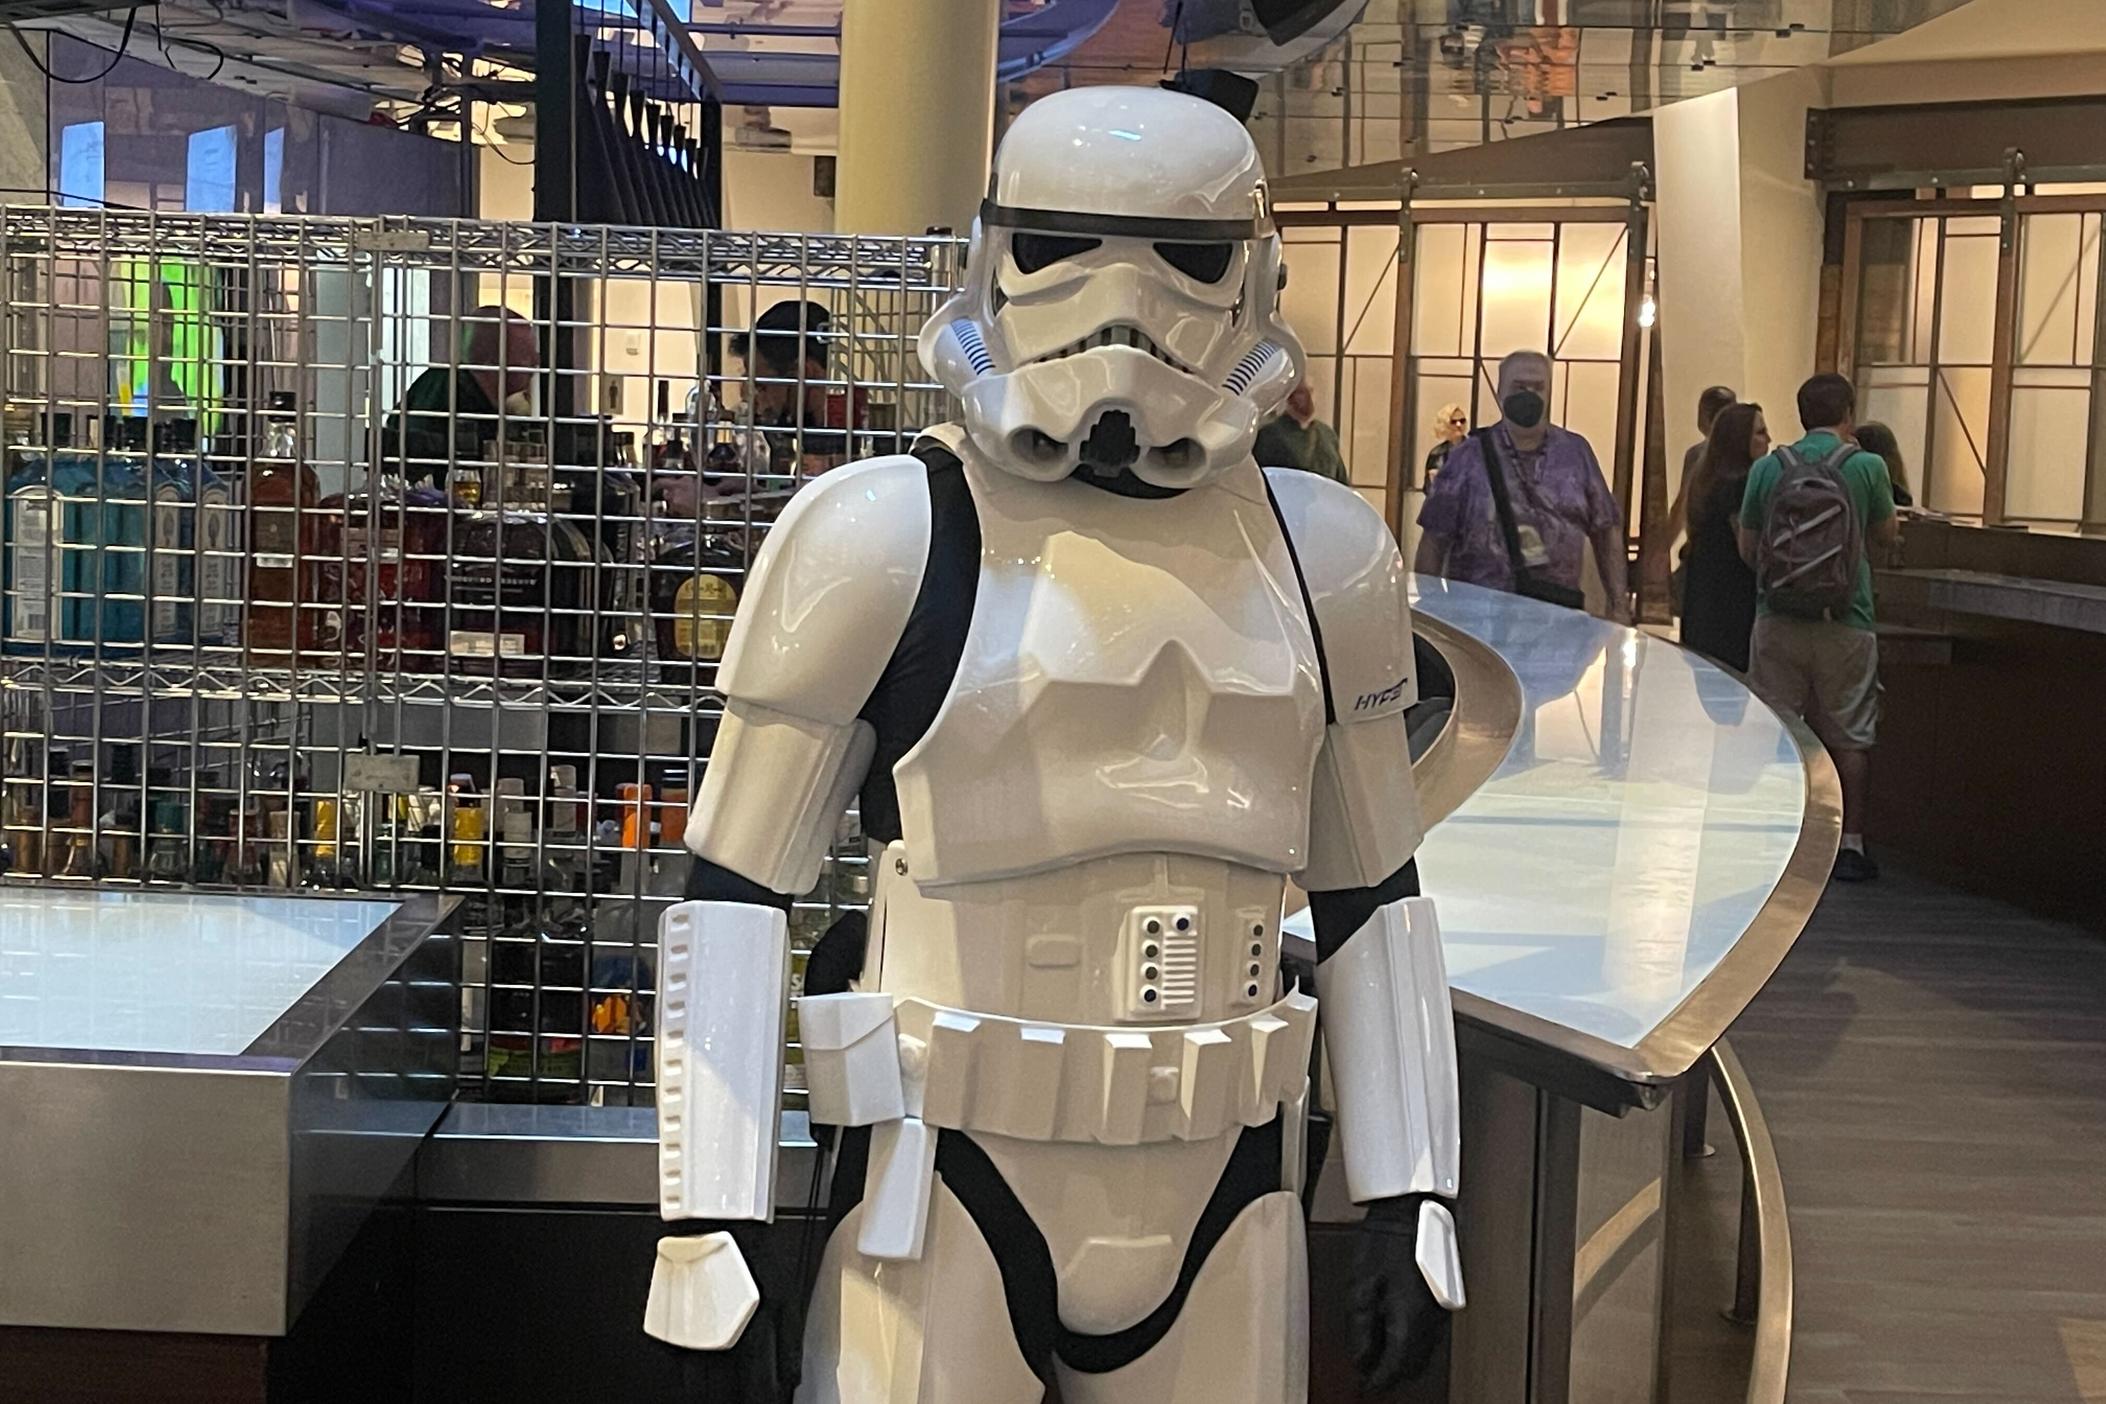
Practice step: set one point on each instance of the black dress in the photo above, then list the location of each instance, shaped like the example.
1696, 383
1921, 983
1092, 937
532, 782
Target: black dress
1718, 600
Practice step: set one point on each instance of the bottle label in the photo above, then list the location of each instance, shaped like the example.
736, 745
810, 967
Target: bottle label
168, 592
219, 604
470, 643
357, 540
702, 616
33, 590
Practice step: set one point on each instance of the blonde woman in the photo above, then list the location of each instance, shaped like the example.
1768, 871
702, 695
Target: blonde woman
1450, 427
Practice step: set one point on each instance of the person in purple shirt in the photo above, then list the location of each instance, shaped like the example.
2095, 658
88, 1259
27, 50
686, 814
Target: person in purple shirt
1555, 490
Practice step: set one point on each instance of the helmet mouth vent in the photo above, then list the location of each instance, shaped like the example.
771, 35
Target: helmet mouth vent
1184, 456
1112, 444
1119, 334
1039, 449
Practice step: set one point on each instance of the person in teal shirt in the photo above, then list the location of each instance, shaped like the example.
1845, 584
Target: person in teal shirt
1827, 670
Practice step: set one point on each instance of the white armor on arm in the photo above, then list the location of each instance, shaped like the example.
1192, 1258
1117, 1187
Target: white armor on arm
828, 599
1388, 1025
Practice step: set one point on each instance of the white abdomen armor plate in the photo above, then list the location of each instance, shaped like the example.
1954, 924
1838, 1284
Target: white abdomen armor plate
1139, 676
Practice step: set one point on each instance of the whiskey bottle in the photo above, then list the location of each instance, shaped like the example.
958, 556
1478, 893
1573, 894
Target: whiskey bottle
76, 857
694, 596
283, 495
522, 581
386, 567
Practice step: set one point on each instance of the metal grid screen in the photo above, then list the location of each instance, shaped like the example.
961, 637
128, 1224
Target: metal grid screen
398, 555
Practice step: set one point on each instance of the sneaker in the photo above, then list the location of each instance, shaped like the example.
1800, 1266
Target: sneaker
1853, 866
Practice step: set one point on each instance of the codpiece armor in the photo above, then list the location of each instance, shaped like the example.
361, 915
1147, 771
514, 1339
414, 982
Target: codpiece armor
1104, 686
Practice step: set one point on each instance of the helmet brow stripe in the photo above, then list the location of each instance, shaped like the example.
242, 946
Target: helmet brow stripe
1124, 226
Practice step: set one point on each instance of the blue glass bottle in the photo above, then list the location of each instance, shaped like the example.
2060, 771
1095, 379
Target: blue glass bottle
145, 531
51, 523
220, 567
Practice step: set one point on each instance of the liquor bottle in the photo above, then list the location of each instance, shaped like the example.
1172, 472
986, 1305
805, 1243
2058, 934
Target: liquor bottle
33, 529
138, 515
386, 567
121, 819
172, 483
392, 860
282, 528
215, 831
220, 558
522, 579
326, 865
76, 858
53, 538
508, 1047
282, 865
168, 844
25, 805
619, 923
467, 828
693, 599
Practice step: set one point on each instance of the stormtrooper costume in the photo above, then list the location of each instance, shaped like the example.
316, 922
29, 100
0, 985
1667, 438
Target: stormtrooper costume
1104, 686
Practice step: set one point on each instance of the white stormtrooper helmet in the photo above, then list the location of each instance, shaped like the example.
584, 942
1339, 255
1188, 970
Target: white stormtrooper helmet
1121, 303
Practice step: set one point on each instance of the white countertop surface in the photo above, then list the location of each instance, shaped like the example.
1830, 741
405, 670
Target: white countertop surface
152, 972
1640, 819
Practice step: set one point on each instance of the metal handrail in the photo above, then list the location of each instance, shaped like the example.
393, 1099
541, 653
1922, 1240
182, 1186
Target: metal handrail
1762, 1294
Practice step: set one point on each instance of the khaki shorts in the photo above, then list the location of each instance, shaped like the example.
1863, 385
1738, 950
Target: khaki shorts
1826, 672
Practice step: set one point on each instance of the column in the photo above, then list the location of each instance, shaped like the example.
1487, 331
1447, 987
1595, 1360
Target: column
917, 114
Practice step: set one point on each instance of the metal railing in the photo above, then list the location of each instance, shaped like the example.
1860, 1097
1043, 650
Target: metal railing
1762, 1289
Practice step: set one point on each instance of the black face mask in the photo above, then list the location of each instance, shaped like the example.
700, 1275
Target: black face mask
1523, 409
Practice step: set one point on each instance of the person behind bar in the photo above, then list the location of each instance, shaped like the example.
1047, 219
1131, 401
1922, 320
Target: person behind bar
451, 409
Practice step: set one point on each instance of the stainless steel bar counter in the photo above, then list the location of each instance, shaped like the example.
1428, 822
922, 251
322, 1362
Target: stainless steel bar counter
1627, 842
201, 1099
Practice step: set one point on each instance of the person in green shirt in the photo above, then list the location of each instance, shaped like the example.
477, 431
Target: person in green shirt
1827, 670
1296, 438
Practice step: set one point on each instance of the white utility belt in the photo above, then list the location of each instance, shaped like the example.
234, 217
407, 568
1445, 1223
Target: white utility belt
906, 1068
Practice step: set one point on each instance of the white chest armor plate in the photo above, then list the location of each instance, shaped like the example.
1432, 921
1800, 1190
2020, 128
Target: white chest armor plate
1139, 676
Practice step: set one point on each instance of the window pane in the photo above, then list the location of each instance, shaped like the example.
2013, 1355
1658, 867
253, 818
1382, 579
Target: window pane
208, 172
1441, 311
1888, 272
1516, 290
1967, 320
80, 181
2049, 425
1961, 412
2054, 314
1310, 303
1371, 290
1590, 292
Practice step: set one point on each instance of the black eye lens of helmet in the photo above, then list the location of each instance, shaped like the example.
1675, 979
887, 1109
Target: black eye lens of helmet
1035, 251
1209, 263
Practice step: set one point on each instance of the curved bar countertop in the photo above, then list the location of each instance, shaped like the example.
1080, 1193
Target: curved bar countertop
1637, 857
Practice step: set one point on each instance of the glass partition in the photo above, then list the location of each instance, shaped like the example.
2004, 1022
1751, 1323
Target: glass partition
1487, 287
1989, 376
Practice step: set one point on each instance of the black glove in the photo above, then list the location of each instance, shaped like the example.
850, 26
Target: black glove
1397, 1325
764, 1366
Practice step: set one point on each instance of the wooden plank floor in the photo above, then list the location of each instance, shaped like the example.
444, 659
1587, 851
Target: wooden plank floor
1933, 1066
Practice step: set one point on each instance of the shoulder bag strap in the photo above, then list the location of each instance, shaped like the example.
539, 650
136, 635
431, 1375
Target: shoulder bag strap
1495, 477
